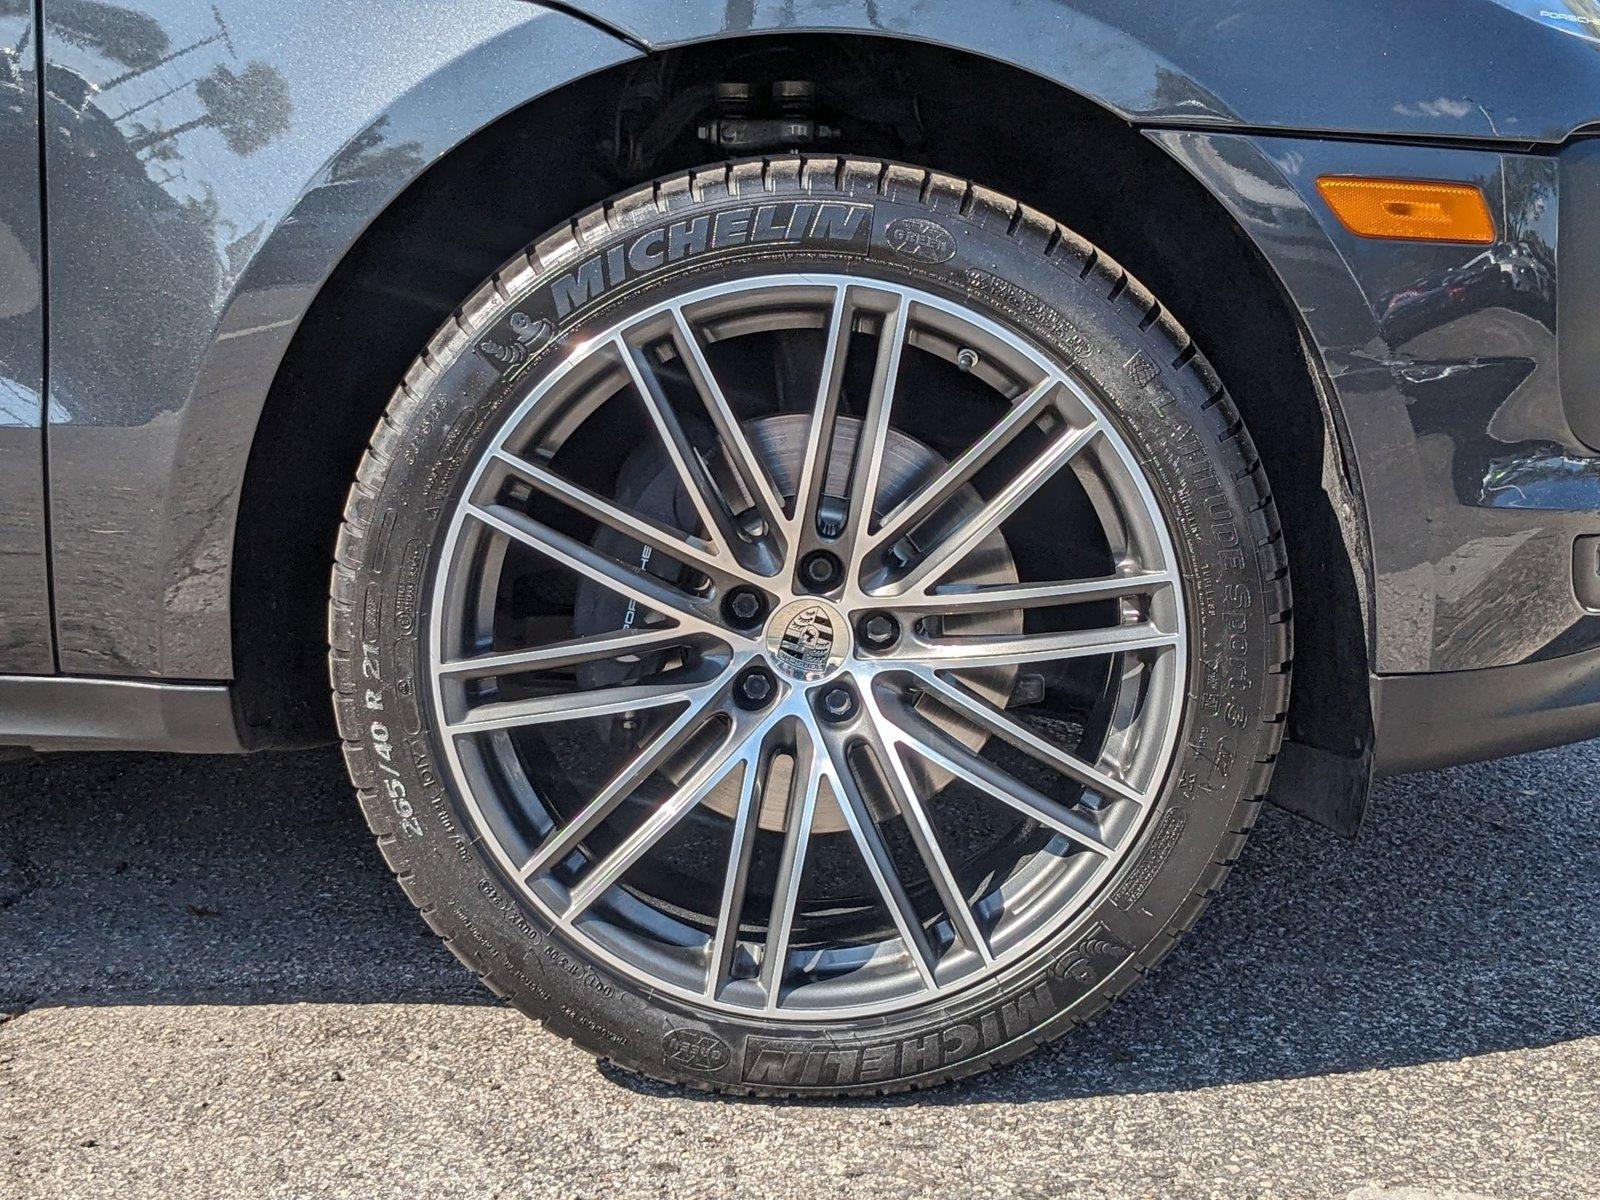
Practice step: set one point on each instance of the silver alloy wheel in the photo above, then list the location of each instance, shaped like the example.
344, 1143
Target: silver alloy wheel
857, 730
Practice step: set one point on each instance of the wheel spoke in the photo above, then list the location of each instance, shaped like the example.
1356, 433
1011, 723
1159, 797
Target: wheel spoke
746, 823
819, 442
1006, 501
944, 752
687, 550
1006, 597
703, 494
926, 501
570, 652
880, 865
998, 723
1003, 650
741, 457
640, 586
867, 467
568, 706
604, 874
884, 750
806, 785
669, 741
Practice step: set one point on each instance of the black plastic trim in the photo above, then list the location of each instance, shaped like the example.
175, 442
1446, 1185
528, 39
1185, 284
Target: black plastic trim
1438, 720
1322, 786
74, 713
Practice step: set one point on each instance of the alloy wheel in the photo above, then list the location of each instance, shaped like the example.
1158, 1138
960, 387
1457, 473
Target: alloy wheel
768, 687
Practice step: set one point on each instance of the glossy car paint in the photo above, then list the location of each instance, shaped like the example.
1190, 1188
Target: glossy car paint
1442, 358
25, 637
208, 169
209, 166
1445, 361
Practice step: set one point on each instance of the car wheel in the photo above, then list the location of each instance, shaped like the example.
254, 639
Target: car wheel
810, 626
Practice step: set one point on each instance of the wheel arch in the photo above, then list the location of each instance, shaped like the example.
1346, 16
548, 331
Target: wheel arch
460, 219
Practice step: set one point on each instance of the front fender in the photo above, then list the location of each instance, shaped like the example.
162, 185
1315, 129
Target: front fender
191, 227
1441, 359
1444, 359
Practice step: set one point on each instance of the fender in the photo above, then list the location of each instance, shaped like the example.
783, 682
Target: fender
1256, 98
1445, 361
1354, 67
185, 250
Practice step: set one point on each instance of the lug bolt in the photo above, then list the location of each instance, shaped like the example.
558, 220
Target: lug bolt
820, 570
744, 606
755, 688
879, 631
838, 704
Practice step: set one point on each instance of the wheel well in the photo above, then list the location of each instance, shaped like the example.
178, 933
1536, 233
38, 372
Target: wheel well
966, 115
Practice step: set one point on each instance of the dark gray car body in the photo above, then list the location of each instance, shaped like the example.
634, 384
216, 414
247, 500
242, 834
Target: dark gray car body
182, 184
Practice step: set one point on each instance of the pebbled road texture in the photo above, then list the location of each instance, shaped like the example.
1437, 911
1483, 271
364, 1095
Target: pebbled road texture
209, 987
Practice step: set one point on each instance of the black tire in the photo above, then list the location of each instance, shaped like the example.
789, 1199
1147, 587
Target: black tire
995, 255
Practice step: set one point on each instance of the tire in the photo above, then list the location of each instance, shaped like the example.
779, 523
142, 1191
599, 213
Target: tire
439, 808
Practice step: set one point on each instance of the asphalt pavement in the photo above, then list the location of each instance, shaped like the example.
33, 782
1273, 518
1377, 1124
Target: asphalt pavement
210, 987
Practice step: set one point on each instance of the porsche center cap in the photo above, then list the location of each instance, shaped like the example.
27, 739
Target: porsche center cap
808, 639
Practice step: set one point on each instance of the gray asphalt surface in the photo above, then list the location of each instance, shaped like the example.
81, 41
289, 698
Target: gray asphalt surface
215, 990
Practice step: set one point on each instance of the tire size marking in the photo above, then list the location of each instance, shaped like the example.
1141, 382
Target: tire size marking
393, 786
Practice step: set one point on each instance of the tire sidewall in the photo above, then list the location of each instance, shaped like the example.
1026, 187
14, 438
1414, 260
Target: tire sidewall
946, 238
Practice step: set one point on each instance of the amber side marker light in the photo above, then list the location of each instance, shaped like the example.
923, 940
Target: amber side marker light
1414, 212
